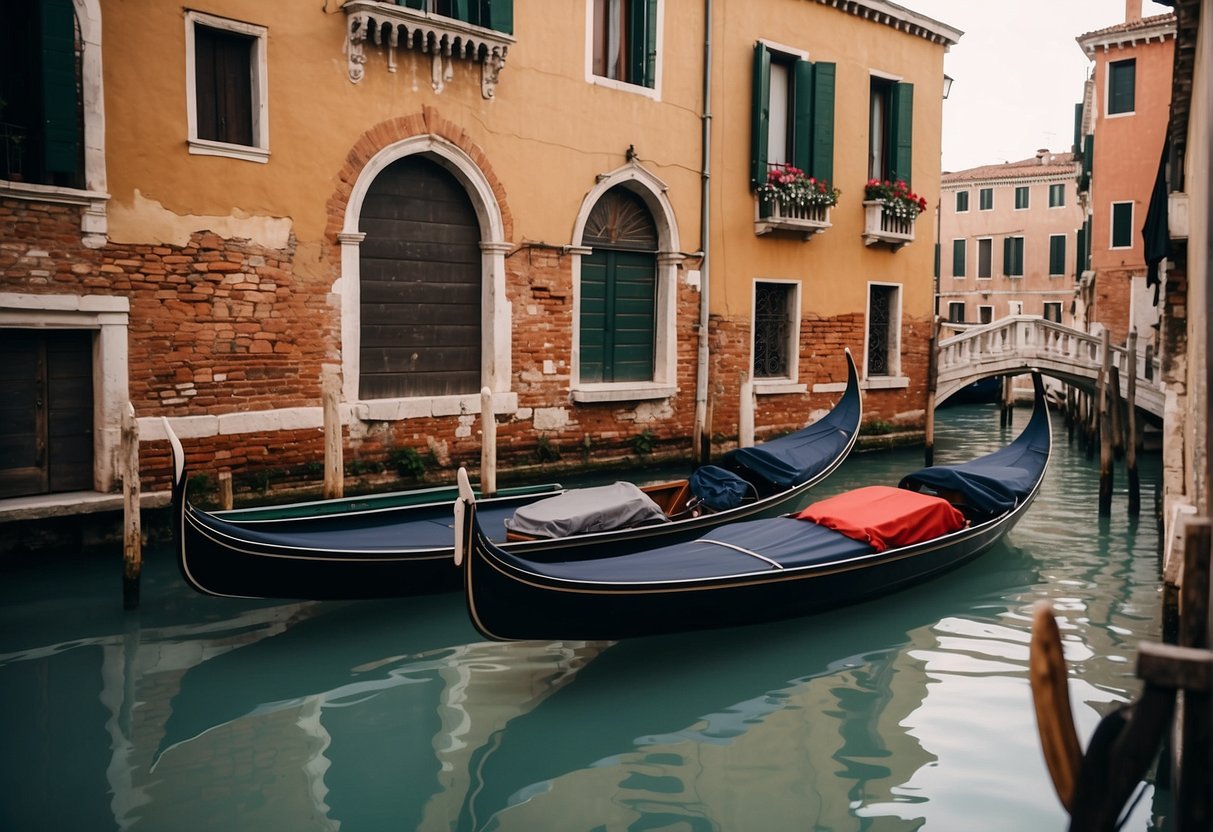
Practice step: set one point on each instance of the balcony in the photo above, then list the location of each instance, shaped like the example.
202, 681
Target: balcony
390, 26
882, 227
806, 220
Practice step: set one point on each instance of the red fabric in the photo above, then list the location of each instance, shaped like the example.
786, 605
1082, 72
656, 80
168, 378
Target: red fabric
885, 517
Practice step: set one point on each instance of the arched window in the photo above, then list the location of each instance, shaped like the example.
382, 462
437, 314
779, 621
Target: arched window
618, 290
420, 284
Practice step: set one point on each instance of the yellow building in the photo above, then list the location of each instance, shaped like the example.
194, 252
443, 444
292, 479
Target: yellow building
558, 202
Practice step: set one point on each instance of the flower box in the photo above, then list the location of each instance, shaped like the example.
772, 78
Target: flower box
883, 226
776, 215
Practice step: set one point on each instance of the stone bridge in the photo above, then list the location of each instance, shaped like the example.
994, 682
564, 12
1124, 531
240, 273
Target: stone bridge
1022, 343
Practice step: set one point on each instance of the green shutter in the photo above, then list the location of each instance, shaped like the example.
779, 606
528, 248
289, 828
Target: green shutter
901, 132
958, 258
1080, 252
642, 38
760, 116
60, 112
411, 4
802, 118
618, 316
822, 165
1121, 83
1006, 256
460, 11
1088, 154
1057, 254
1077, 146
593, 316
1122, 225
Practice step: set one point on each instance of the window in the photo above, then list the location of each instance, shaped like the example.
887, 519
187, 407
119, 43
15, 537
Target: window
985, 257
625, 41
1012, 256
956, 312
1052, 312
962, 201
985, 199
40, 86
1057, 255
1057, 195
793, 115
491, 14
1121, 83
884, 325
985, 314
958, 258
1021, 198
226, 90
776, 330
891, 130
1122, 225
618, 298
1014, 307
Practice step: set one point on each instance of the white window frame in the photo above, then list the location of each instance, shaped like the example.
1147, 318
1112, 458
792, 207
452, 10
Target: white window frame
1107, 89
783, 384
1023, 259
952, 304
1014, 308
968, 202
985, 307
653, 92
981, 191
894, 378
259, 151
1045, 310
1027, 198
1112, 224
1062, 186
977, 258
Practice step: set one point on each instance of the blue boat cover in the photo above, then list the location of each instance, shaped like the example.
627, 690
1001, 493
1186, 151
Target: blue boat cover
801, 455
719, 489
998, 482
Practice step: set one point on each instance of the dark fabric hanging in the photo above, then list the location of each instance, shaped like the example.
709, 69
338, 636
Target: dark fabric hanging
1156, 236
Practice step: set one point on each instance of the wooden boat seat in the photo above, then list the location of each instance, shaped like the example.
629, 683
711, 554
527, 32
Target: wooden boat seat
672, 497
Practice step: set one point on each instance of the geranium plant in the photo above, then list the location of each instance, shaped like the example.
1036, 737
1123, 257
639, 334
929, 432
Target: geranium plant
897, 197
792, 186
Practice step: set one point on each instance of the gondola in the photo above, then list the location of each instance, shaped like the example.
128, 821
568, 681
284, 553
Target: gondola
840, 550
375, 551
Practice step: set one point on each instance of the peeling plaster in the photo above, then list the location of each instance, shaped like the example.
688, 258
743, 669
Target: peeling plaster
147, 220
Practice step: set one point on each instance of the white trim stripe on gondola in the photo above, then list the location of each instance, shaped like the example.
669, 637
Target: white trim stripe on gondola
752, 554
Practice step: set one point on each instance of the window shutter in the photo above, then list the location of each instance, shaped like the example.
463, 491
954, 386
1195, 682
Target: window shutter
1077, 146
901, 131
822, 165
958, 258
1088, 152
1006, 255
61, 131
593, 316
460, 10
642, 37
413, 4
802, 129
1080, 250
761, 115
1057, 254
498, 15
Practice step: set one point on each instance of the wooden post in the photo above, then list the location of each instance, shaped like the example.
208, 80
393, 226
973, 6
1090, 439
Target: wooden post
1105, 429
745, 416
1070, 408
132, 534
334, 465
1131, 429
488, 446
1005, 417
932, 383
1116, 406
225, 490
1192, 794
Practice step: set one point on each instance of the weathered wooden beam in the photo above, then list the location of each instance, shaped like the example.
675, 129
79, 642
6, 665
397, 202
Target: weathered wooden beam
1105, 428
488, 444
1131, 428
334, 465
132, 533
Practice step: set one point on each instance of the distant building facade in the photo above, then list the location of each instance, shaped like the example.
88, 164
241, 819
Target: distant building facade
1009, 237
1120, 132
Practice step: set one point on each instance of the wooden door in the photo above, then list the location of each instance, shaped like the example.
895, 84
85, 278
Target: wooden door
420, 267
46, 412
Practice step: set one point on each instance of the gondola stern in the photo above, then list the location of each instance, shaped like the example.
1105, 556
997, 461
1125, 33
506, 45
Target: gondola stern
465, 515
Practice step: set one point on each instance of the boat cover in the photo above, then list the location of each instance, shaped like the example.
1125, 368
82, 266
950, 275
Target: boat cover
621, 505
799, 456
885, 517
734, 549
996, 483
719, 489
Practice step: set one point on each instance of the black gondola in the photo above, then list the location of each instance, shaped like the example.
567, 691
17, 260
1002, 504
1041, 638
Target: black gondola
365, 549
762, 570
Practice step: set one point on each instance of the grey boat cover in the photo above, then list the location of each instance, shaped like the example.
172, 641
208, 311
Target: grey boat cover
621, 505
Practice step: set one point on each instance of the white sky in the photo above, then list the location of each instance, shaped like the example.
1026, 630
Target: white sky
1018, 73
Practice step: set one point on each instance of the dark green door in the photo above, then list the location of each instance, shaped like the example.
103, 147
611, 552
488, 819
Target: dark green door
618, 316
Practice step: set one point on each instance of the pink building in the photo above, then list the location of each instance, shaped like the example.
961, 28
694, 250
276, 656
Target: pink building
1009, 240
1122, 128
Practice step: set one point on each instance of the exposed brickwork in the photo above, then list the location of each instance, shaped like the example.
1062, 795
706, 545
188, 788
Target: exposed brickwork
1113, 299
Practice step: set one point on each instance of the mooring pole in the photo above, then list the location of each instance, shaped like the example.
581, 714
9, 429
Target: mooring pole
1131, 428
1005, 415
225, 490
1105, 429
745, 416
334, 466
932, 383
132, 534
488, 444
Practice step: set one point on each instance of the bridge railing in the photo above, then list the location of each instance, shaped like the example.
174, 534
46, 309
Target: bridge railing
1018, 339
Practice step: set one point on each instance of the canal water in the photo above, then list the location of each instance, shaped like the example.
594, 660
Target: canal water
905, 713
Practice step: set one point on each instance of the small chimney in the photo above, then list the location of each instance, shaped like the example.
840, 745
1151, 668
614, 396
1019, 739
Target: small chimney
1043, 155
1132, 11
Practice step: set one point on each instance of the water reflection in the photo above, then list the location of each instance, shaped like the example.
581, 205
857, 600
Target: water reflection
907, 712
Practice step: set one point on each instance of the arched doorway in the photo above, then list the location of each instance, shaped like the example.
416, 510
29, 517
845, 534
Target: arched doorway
420, 276
618, 297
